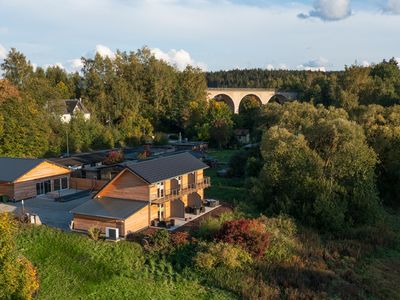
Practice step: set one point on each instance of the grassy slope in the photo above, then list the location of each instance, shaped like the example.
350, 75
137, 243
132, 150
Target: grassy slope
71, 266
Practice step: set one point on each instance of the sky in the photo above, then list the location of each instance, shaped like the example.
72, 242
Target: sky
210, 34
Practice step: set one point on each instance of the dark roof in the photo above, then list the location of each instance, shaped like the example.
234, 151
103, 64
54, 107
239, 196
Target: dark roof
192, 143
158, 169
13, 168
110, 208
67, 106
81, 159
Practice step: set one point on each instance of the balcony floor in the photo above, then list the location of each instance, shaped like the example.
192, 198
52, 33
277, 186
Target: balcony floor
179, 222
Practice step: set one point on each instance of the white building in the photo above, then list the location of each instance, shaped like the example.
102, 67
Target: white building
70, 107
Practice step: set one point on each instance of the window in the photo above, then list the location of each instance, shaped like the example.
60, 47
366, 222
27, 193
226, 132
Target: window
57, 184
160, 189
39, 188
47, 186
64, 183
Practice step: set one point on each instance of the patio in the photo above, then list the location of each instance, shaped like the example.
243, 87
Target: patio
189, 217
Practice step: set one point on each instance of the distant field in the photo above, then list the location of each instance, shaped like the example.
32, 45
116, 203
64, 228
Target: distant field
72, 266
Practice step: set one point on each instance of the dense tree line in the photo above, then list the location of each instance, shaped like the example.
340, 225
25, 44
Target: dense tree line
356, 85
132, 97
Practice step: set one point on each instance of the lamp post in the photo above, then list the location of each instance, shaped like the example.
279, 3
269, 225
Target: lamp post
67, 144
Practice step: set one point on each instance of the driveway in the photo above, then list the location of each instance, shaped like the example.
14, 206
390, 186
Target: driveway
51, 213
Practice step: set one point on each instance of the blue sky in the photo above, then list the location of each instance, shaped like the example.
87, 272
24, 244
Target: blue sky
212, 34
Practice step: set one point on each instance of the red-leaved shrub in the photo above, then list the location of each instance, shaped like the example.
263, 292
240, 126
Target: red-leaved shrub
180, 238
250, 234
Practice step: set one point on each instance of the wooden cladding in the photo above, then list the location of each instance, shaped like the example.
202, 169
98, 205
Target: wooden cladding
87, 184
44, 170
126, 186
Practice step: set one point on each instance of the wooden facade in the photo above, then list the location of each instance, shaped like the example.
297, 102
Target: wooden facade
25, 186
129, 186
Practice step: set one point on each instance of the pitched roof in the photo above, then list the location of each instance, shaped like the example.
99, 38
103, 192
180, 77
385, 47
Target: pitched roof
13, 168
110, 208
158, 169
67, 106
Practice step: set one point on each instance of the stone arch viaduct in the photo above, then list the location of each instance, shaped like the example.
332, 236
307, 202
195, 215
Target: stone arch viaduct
234, 96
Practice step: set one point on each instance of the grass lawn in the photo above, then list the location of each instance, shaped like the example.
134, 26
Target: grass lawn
223, 156
71, 266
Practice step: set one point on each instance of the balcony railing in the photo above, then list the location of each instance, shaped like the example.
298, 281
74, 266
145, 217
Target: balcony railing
176, 193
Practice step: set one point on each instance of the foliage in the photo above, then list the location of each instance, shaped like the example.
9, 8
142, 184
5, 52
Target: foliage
382, 128
250, 234
160, 139
317, 168
72, 266
18, 278
210, 226
283, 241
94, 233
114, 157
221, 255
179, 238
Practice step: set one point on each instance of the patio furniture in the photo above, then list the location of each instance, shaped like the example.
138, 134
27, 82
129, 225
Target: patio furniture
212, 202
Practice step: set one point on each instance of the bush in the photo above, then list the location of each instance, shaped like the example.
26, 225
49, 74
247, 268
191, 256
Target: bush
250, 234
94, 233
18, 279
180, 238
222, 255
159, 240
210, 226
283, 240
160, 139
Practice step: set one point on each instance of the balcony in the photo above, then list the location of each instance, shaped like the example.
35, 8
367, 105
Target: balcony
176, 193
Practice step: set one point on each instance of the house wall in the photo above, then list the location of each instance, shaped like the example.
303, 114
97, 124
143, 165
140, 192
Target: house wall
27, 189
7, 189
87, 184
127, 186
137, 221
83, 223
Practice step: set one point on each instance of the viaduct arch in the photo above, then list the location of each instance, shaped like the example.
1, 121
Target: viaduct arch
233, 96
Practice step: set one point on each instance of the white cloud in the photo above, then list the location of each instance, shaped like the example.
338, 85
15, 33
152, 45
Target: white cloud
398, 61
329, 10
75, 64
270, 67
58, 64
179, 58
3, 52
104, 51
393, 6
365, 63
316, 65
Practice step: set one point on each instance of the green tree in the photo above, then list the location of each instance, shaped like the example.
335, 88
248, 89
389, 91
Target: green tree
18, 278
16, 68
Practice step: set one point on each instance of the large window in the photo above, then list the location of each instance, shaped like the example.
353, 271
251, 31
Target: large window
57, 184
64, 183
39, 188
60, 183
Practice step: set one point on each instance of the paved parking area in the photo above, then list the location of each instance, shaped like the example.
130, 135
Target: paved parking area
51, 213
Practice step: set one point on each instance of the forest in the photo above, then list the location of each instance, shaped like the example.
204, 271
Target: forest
316, 200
